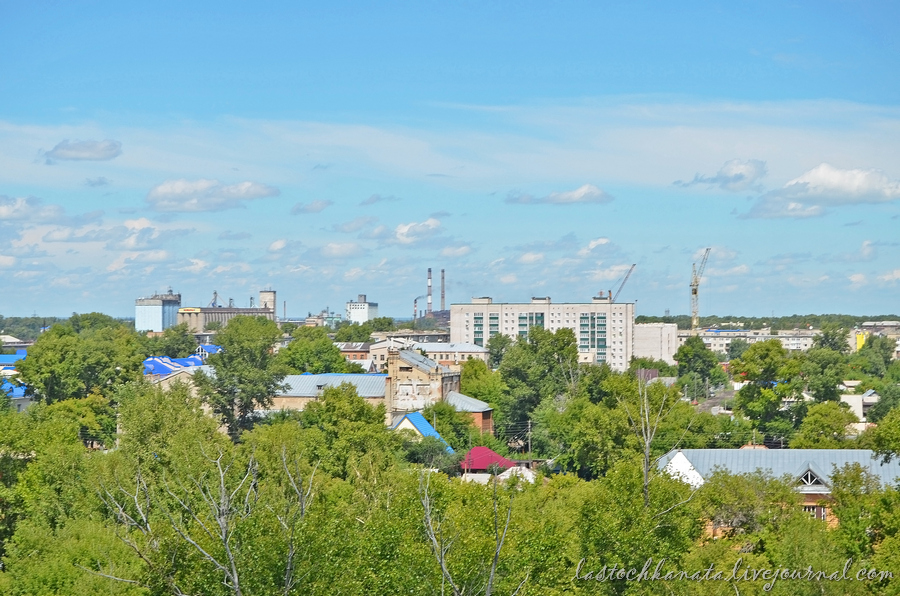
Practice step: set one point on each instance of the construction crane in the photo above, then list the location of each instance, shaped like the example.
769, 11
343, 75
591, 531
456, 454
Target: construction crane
627, 275
696, 274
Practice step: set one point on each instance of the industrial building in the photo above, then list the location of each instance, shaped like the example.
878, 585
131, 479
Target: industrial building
199, 319
361, 311
603, 328
156, 313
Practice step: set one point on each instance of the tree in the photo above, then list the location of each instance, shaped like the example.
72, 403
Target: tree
824, 369
313, 352
247, 374
65, 363
665, 369
354, 332
879, 350
478, 381
382, 324
497, 346
736, 348
824, 427
694, 357
832, 337
886, 436
772, 376
175, 342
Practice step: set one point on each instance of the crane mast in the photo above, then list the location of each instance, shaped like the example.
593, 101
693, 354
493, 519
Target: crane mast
696, 275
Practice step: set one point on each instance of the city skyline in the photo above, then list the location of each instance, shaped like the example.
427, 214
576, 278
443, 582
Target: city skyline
533, 150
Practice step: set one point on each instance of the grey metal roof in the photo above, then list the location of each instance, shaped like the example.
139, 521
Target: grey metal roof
793, 462
434, 346
464, 403
367, 385
421, 362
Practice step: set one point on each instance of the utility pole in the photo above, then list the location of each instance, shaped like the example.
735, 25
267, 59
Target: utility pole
529, 439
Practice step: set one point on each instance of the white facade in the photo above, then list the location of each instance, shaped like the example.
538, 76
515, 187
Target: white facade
604, 330
656, 340
719, 340
156, 313
361, 310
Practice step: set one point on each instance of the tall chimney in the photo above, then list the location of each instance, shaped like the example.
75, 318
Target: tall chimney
442, 290
428, 307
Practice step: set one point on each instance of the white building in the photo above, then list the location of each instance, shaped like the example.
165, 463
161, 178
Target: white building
658, 341
719, 340
604, 330
361, 310
156, 313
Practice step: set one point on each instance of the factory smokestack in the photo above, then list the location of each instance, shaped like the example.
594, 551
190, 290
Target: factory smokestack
442, 290
428, 307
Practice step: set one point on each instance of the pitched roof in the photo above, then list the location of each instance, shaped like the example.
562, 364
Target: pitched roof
464, 403
10, 359
482, 458
163, 365
209, 348
353, 346
434, 346
11, 390
367, 385
422, 427
423, 363
793, 462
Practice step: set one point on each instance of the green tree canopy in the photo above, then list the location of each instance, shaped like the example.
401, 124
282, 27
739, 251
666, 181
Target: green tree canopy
247, 374
175, 342
313, 351
824, 369
354, 332
832, 337
825, 427
694, 357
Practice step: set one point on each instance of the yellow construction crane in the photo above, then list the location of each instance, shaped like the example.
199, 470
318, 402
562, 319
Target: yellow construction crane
696, 274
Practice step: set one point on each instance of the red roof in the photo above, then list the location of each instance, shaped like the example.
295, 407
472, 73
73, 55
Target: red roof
479, 459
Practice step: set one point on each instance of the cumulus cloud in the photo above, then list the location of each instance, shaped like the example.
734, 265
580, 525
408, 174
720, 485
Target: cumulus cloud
890, 276
7, 261
33, 210
132, 235
531, 257
857, 279
609, 273
826, 186
736, 270
85, 151
313, 207
340, 250
413, 232
379, 199
456, 251
592, 245
277, 245
354, 225
191, 196
510, 278
587, 193
735, 175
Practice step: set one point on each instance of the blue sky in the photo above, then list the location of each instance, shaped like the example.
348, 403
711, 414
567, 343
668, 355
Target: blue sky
528, 148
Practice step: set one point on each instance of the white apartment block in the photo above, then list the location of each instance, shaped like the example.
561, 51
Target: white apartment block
361, 310
604, 330
719, 340
658, 341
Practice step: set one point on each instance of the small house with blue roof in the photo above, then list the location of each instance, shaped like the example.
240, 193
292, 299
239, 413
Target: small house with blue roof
415, 422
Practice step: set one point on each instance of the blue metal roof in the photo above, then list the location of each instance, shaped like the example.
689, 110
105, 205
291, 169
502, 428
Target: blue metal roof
11, 390
423, 427
10, 359
793, 462
309, 385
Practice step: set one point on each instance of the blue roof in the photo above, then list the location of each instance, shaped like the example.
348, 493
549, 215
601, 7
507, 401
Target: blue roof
423, 427
10, 359
11, 390
163, 365
210, 348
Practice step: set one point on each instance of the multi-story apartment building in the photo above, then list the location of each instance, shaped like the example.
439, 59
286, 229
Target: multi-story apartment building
604, 330
719, 340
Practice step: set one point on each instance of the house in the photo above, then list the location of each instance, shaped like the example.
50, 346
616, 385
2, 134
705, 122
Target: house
809, 468
16, 395
481, 412
416, 382
207, 350
453, 355
8, 362
860, 404
415, 422
480, 464
379, 350
354, 350
302, 389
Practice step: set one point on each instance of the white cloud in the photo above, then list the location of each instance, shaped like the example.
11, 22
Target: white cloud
28, 209
379, 199
857, 279
587, 193
196, 266
313, 207
736, 270
413, 232
456, 251
890, 276
592, 245
531, 257
340, 250
205, 195
7, 261
735, 175
277, 245
825, 186
354, 274
354, 225
610, 273
85, 150
509, 279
